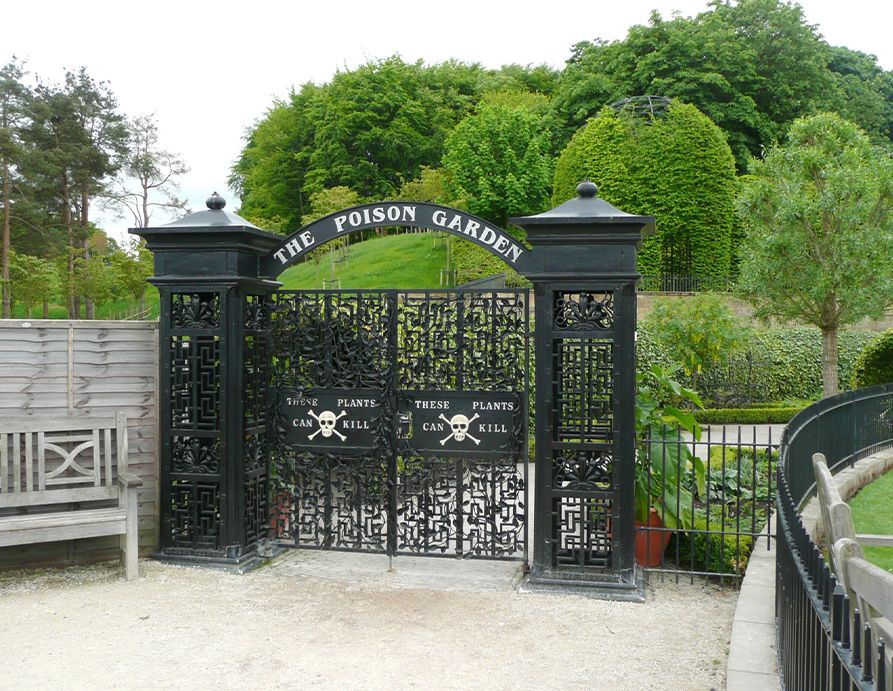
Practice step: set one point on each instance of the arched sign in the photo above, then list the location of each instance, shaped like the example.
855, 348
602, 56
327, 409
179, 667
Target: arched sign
405, 214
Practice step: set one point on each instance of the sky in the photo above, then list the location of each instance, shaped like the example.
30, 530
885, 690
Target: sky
207, 71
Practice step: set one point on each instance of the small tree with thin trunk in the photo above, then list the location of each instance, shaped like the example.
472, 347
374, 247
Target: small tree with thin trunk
818, 213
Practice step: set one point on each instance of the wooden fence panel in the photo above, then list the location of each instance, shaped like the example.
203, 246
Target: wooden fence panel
54, 367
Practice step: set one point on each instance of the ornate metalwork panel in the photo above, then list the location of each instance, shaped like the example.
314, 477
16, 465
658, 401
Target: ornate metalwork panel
583, 424
401, 421
192, 470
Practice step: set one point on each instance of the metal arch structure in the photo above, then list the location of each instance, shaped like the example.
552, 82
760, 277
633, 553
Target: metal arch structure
220, 423
390, 214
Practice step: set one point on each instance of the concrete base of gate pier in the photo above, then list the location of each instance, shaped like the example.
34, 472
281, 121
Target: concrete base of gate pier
587, 586
231, 562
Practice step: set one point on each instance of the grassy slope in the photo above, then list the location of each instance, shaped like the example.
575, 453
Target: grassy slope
394, 261
872, 514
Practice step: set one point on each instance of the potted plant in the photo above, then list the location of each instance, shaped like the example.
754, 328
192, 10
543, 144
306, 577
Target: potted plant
663, 460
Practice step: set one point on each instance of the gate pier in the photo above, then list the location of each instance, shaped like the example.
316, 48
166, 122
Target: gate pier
213, 348
583, 269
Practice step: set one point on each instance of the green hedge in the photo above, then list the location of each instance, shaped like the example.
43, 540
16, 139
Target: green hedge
875, 363
746, 416
787, 362
677, 167
473, 262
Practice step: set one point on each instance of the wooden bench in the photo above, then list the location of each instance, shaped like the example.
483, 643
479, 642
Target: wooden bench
62, 478
869, 587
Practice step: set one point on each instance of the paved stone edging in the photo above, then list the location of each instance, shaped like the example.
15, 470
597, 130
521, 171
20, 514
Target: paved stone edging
753, 659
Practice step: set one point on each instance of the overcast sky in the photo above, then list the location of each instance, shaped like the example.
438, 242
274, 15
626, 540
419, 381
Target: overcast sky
208, 71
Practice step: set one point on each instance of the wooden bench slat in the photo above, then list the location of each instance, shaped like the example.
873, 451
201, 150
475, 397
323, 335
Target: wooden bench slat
29, 464
41, 463
63, 495
4, 461
16, 462
869, 540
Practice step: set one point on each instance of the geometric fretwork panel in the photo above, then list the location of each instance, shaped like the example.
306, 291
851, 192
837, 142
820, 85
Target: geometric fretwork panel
586, 311
257, 516
394, 496
462, 340
582, 470
195, 514
582, 532
195, 382
583, 385
461, 507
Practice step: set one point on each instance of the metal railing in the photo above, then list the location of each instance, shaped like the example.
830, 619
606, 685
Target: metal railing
668, 283
707, 524
823, 641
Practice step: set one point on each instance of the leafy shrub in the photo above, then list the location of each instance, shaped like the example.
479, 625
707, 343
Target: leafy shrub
874, 365
473, 262
699, 332
711, 552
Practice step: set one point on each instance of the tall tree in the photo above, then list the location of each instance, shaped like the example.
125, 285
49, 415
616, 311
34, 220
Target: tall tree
751, 65
77, 138
498, 163
818, 213
13, 95
147, 180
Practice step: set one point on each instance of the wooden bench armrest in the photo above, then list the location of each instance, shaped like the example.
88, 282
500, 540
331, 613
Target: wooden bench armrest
128, 480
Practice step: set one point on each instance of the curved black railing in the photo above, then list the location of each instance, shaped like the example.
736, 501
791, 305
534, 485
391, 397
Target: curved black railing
823, 643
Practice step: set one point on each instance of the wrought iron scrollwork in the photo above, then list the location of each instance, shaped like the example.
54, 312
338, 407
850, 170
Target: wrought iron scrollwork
582, 470
195, 455
583, 311
195, 310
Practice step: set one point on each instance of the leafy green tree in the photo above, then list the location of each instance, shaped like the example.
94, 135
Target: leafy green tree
818, 216
33, 280
430, 186
13, 96
676, 167
751, 65
498, 163
76, 138
130, 270
369, 129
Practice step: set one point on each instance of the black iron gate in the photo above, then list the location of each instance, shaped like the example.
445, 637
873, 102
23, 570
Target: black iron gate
401, 421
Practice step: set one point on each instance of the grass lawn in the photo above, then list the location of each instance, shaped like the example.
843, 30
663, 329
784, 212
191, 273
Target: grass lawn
394, 261
872, 513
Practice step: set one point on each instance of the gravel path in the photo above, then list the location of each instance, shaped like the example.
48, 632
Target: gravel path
334, 621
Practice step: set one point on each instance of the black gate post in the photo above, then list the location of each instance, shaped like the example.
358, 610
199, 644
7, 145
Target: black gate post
213, 372
583, 268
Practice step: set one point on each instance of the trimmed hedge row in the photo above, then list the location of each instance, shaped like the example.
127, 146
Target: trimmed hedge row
875, 364
746, 416
784, 363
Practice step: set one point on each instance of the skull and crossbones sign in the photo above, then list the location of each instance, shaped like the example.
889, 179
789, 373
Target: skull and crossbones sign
327, 420
459, 426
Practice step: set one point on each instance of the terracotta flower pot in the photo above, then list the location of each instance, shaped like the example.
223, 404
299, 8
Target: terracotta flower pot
651, 545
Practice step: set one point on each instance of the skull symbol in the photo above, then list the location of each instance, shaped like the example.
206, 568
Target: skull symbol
327, 423
327, 420
459, 425
459, 428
